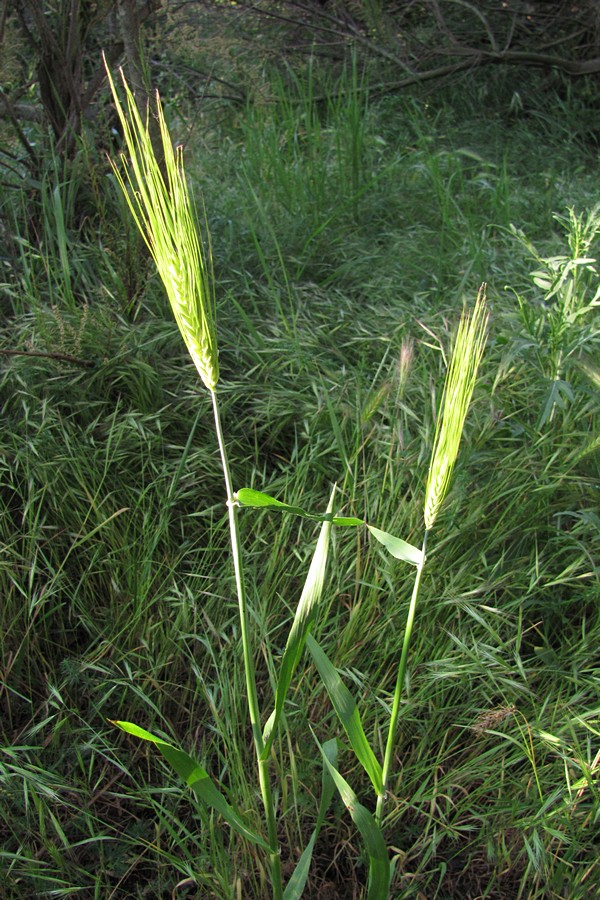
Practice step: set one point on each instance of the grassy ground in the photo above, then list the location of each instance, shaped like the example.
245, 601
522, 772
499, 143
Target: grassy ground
347, 229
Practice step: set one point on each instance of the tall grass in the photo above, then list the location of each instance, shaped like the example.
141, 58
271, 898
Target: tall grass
496, 787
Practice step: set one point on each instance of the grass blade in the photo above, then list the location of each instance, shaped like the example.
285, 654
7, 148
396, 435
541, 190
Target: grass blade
295, 886
251, 499
347, 711
311, 594
397, 547
197, 779
379, 864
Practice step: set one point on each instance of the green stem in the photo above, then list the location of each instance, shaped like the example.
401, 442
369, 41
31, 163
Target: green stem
249, 670
389, 747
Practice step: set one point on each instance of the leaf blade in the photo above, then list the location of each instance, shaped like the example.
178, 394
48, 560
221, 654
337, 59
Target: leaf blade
197, 779
347, 711
379, 864
305, 612
295, 886
397, 547
249, 498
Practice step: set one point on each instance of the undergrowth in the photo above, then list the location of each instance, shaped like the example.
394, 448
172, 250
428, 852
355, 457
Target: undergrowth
346, 232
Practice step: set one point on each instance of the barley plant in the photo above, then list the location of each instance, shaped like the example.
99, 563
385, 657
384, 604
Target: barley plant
157, 192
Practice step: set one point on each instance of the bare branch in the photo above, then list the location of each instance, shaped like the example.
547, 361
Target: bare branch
13, 114
60, 357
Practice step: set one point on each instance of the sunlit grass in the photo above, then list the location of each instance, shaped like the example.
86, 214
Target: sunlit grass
134, 619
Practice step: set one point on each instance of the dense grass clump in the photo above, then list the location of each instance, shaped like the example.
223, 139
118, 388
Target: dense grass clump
347, 230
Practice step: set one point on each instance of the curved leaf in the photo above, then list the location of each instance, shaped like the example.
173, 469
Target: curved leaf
295, 886
251, 499
397, 547
345, 706
197, 779
379, 864
311, 595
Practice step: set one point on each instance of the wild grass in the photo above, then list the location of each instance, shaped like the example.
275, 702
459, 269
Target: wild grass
118, 599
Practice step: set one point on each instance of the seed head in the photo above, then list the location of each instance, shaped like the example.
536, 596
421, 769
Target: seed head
468, 349
158, 197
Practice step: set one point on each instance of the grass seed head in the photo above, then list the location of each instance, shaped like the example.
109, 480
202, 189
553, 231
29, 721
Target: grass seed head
405, 362
458, 389
159, 199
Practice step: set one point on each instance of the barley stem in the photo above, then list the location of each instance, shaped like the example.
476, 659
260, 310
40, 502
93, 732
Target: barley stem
249, 670
389, 747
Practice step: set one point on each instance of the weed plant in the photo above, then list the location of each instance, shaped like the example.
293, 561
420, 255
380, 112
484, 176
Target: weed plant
118, 595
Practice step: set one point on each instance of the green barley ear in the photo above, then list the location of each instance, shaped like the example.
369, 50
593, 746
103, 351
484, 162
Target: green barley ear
458, 389
159, 199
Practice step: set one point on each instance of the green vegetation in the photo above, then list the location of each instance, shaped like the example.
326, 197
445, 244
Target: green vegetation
348, 230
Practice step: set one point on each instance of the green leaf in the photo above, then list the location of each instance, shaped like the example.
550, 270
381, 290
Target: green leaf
295, 886
347, 521
397, 547
311, 595
559, 395
347, 711
197, 779
379, 864
251, 499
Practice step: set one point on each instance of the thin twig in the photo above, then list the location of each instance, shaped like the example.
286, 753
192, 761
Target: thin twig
61, 357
